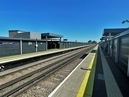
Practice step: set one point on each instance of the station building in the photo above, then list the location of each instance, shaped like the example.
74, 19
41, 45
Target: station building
22, 42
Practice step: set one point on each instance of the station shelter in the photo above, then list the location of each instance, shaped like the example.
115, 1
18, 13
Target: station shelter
53, 41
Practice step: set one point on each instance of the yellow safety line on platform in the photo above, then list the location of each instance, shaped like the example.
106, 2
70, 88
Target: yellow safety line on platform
85, 80
89, 88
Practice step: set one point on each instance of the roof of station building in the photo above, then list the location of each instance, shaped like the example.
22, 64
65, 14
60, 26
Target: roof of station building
18, 31
50, 35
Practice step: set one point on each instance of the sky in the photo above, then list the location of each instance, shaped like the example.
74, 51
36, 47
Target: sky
80, 20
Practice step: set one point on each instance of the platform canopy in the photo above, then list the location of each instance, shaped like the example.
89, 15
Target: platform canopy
50, 35
113, 31
102, 38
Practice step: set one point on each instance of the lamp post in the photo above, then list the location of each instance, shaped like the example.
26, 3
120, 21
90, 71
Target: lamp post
36, 45
125, 21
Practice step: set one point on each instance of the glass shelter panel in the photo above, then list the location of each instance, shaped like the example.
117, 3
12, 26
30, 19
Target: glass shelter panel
114, 46
124, 49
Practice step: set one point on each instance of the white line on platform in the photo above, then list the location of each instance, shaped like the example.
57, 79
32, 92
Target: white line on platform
66, 78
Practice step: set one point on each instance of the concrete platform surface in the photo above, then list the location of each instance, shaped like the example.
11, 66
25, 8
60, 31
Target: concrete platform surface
31, 55
71, 85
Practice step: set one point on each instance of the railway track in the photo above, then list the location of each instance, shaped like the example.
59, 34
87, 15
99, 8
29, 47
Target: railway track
36, 65
23, 82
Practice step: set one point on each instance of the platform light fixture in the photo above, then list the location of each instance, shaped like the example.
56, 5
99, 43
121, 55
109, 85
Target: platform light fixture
125, 21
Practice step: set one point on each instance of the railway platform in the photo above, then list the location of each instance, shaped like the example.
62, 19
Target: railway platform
31, 55
96, 76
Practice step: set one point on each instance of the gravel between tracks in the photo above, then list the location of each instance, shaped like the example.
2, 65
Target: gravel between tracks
46, 86
17, 74
30, 69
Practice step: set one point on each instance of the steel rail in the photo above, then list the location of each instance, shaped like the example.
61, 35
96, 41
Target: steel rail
25, 76
47, 71
58, 64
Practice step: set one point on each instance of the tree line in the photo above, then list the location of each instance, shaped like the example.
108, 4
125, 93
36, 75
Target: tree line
90, 41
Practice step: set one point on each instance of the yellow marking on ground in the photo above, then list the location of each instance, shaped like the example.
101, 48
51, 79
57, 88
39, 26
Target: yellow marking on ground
90, 84
85, 81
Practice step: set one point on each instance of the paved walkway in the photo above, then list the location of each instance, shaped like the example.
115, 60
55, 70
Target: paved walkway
109, 79
74, 85
7, 59
104, 79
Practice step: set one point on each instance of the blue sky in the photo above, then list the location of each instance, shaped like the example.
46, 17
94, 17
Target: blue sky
80, 20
